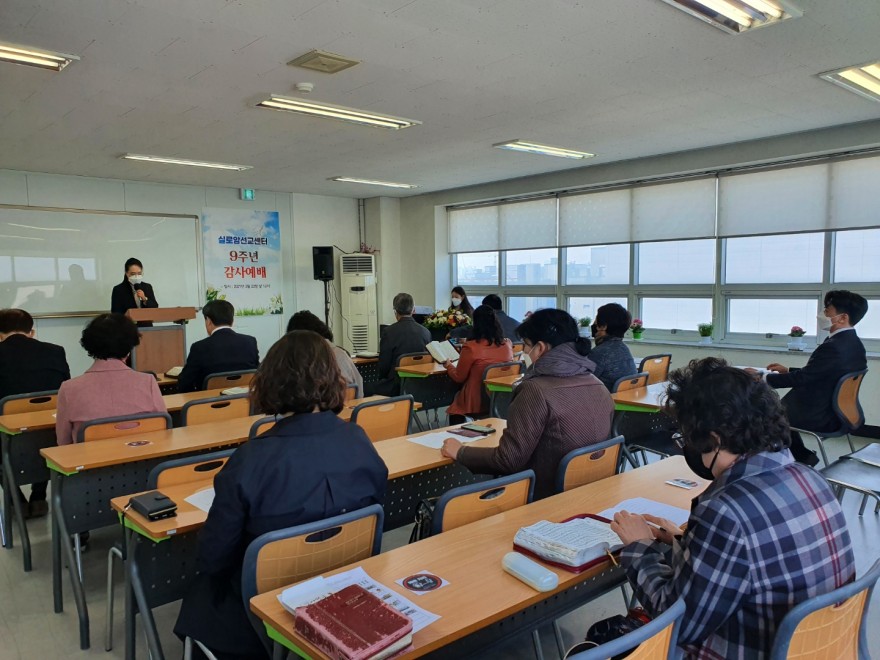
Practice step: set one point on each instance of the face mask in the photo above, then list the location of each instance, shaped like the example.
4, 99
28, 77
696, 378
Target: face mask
694, 460
527, 359
825, 322
456, 302
135, 279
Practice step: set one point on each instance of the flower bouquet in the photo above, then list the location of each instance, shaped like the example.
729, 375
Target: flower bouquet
444, 320
637, 328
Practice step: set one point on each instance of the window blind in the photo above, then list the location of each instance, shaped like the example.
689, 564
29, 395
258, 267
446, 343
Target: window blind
529, 224
854, 186
473, 230
597, 218
674, 211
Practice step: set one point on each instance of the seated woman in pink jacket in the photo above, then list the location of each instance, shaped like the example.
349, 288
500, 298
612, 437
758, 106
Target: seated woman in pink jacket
486, 346
109, 388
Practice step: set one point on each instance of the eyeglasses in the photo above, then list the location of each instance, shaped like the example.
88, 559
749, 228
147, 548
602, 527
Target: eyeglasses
678, 439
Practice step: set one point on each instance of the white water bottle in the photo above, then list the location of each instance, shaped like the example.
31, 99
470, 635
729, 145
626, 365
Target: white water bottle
530, 572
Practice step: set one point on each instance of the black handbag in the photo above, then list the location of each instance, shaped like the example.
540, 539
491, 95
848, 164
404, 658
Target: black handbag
423, 520
153, 505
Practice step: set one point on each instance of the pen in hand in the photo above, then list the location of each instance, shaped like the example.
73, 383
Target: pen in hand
655, 526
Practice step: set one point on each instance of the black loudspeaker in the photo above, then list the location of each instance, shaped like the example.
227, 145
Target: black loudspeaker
322, 262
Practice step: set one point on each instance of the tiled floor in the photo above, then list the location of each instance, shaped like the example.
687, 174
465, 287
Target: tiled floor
29, 628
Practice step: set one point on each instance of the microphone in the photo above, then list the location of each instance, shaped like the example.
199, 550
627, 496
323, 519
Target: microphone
139, 287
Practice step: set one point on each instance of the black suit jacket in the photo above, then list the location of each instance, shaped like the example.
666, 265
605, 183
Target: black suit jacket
306, 468
808, 404
28, 365
122, 298
225, 350
405, 336
508, 328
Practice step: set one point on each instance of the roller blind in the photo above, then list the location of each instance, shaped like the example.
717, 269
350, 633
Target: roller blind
671, 211
854, 186
473, 230
780, 201
528, 224
596, 218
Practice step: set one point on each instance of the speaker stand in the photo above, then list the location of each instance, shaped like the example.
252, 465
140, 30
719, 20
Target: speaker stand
327, 302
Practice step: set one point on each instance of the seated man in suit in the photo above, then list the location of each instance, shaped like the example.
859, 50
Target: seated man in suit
223, 350
404, 336
508, 324
808, 404
28, 365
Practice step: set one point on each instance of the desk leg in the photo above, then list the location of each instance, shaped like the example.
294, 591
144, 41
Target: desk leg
56, 543
63, 540
6, 531
135, 589
12, 501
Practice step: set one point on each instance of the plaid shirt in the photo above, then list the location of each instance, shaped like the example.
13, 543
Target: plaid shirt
764, 536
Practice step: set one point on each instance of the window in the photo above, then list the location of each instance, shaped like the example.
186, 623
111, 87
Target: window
677, 262
789, 258
857, 256
580, 307
869, 327
529, 267
675, 313
597, 264
477, 268
34, 269
517, 306
776, 315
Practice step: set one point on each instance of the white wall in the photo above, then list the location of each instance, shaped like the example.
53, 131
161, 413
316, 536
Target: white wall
305, 220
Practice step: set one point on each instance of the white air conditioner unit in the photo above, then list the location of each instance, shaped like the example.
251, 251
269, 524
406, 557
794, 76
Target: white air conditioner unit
360, 323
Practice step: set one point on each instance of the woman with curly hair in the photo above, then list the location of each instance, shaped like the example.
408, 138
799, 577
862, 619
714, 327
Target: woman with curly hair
766, 534
310, 466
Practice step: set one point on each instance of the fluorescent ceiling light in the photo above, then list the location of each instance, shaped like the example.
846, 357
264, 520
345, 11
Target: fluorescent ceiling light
735, 16
863, 80
372, 182
183, 161
328, 111
44, 59
543, 149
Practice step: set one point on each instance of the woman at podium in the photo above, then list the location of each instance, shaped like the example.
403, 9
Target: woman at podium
132, 292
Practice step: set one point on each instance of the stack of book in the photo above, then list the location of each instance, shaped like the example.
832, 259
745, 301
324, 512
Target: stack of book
352, 624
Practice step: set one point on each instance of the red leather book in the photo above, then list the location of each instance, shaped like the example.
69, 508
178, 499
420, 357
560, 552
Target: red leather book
353, 624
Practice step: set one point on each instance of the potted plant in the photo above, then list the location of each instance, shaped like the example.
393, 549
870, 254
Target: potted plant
441, 322
797, 342
584, 326
705, 330
637, 328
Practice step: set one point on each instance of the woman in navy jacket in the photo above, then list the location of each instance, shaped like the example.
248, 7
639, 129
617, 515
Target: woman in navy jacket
310, 466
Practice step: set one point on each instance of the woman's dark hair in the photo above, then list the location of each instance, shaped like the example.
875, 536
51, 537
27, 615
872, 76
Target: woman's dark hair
710, 396
615, 318
305, 320
133, 262
465, 305
554, 327
486, 326
849, 303
110, 336
299, 374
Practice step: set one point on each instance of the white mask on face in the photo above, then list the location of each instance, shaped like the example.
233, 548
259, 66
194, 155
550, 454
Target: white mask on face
135, 279
527, 359
825, 322
456, 302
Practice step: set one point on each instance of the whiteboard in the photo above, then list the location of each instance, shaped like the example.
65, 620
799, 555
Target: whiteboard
57, 262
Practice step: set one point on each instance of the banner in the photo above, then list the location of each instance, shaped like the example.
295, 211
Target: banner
242, 254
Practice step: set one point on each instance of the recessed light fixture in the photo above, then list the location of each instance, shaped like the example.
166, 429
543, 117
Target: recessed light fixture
735, 16
321, 60
43, 59
543, 149
184, 161
328, 111
864, 80
372, 182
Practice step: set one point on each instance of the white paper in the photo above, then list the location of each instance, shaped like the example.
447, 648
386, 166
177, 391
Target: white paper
435, 440
760, 370
643, 505
319, 587
202, 500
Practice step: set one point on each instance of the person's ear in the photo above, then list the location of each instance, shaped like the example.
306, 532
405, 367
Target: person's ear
32, 333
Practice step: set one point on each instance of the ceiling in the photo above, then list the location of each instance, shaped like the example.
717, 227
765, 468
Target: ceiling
620, 78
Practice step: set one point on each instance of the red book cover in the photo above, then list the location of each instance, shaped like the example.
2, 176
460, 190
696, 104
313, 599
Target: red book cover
351, 624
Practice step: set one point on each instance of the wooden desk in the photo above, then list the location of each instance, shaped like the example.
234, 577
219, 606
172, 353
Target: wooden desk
502, 383
368, 368
430, 384
643, 399
480, 593
500, 393
414, 472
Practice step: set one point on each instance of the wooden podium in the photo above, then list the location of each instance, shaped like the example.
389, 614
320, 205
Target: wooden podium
164, 346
